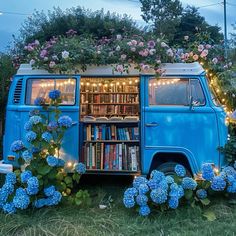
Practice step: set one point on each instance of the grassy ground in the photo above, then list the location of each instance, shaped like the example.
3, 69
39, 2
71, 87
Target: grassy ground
116, 220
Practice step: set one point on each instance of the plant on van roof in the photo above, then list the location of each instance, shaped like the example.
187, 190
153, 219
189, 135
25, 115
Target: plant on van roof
43, 180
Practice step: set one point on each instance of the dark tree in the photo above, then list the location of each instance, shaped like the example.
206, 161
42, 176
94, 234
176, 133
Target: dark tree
164, 15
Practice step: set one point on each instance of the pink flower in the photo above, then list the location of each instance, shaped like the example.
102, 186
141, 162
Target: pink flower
129, 43
208, 46
32, 61
160, 71
214, 60
158, 61
123, 57
52, 64
144, 52
30, 48
200, 48
36, 42
141, 44
43, 53
151, 44
204, 53
133, 49
145, 67
191, 54
195, 57
119, 68
134, 42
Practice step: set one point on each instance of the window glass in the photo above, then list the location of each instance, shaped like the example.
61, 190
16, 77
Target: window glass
41, 87
169, 92
197, 93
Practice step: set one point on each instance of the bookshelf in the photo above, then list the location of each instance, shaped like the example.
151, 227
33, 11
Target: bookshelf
110, 145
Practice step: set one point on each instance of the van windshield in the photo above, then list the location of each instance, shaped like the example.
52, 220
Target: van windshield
41, 87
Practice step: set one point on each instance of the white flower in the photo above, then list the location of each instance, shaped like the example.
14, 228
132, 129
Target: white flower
123, 57
186, 37
52, 64
152, 51
118, 37
65, 54
163, 44
55, 57
32, 61
214, 60
119, 68
169, 52
118, 48
36, 42
200, 48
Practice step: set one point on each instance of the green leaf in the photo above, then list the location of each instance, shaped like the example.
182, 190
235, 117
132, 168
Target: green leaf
68, 180
44, 170
210, 215
205, 201
78, 202
188, 194
60, 176
76, 177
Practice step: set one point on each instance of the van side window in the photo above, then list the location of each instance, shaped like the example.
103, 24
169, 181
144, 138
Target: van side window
41, 87
175, 92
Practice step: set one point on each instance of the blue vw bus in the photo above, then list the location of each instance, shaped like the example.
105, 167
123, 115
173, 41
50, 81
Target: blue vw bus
126, 123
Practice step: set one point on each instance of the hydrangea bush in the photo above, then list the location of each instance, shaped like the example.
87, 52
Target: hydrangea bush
168, 192
42, 179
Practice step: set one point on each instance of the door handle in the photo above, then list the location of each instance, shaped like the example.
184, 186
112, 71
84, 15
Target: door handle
154, 124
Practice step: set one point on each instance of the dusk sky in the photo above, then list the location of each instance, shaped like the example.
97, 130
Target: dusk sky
10, 24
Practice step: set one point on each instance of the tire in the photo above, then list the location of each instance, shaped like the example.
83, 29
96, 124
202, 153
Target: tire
168, 168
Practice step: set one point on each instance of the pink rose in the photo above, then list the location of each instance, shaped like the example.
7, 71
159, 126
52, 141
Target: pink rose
208, 46
200, 48
134, 42
145, 67
214, 60
151, 44
133, 49
123, 57
141, 44
204, 53
43, 53
195, 57
119, 68
52, 64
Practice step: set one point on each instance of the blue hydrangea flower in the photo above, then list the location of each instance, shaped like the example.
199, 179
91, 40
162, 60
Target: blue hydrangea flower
169, 179
128, 201
157, 175
32, 185
232, 188
153, 184
8, 188
21, 200
24, 176
49, 191
173, 202
39, 203
34, 112
144, 210
52, 161
174, 190
201, 193
61, 162
46, 136
54, 94
143, 188
52, 125
54, 199
34, 120
27, 156
9, 208
28, 126
131, 192
65, 121
141, 199
10, 178
17, 146
207, 172
3, 197
30, 136
158, 196
218, 183
181, 192
231, 179
229, 170
180, 170
163, 185
80, 168
139, 180
39, 101
35, 150
189, 183
234, 164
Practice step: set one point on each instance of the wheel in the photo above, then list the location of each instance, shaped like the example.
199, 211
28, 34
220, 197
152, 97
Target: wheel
168, 168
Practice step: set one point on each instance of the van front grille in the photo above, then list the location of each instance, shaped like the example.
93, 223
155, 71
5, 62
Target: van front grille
17, 92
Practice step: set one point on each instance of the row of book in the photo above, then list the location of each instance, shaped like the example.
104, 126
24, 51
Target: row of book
122, 87
109, 109
101, 156
110, 132
109, 98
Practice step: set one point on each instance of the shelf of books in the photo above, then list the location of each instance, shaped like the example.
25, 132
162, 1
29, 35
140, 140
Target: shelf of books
109, 116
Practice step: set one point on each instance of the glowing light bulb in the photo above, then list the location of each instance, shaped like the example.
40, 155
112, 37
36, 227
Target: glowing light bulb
130, 82
100, 84
69, 164
136, 81
87, 84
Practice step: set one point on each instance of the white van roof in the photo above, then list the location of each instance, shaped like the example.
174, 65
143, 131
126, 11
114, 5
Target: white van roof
168, 69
